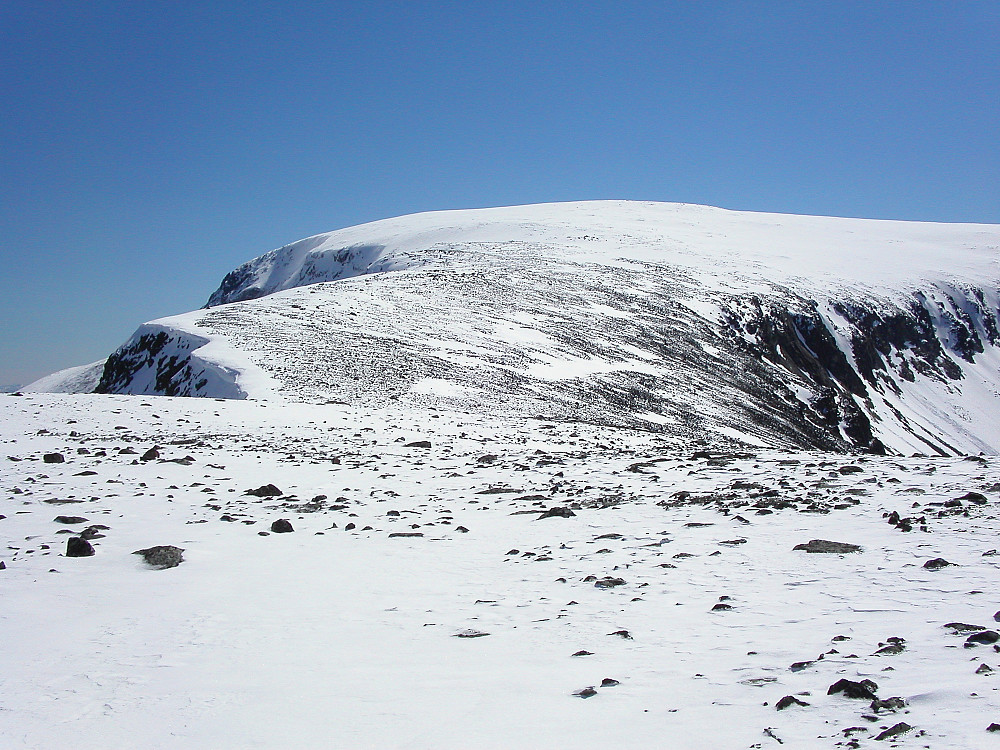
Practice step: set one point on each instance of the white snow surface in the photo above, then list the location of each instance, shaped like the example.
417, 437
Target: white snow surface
343, 636
738, 248
82, 379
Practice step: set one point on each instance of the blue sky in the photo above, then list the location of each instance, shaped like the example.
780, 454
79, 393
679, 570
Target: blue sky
150, 147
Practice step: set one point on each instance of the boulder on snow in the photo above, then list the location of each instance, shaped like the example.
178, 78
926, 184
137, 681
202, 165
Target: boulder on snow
822, 545
937, 563
864, 689
162, 557
77, 547
557, 513
53, 458
282, 526
265, 490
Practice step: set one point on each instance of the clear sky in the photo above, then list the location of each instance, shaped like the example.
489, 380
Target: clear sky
147, 148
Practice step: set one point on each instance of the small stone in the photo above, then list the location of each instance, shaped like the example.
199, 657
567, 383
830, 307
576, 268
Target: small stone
894, 731
461, 529
891, 650
265, 490
865, 689
399, 534
584, 653
622, 634
721, 607
419, 444
608, 582
789, 700
282, 526
889, 704
557, 513
609, 682
70, 520
151, 455
587, 692
984, 669
77, 547
824, 546
471, 634
983, 636
53, 458
963, 626
937, 563
162, 557
994, 727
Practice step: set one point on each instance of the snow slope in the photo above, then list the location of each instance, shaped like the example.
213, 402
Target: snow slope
711, 326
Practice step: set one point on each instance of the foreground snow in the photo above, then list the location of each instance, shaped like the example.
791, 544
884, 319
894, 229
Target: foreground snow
347, 638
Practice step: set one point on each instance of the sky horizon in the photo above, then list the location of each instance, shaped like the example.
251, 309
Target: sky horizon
150, 149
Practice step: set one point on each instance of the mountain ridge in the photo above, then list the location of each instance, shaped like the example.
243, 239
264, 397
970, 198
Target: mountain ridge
703, 324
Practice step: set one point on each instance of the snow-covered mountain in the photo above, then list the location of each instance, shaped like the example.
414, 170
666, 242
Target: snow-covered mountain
702, 324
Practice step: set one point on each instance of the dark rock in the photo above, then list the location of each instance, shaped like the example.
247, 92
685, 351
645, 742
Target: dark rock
860, 690
461, 529
587, 692
850, 469
584, 653
93, 532
800, 665
891, 650
77, 547
622, 634
557, 513
937, 563
609, 682
822, 545
151, 455
162, 557
609, 582
721, 607
959, 627
994, 727
53, 458
983, 636
265, 490
894, 731
984, 669
69, 520
975, 498
419, 444
3, 565
399, 534
789, 700
889, 704
282, 526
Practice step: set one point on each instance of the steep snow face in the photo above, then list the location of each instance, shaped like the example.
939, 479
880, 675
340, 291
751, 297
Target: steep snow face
705, 325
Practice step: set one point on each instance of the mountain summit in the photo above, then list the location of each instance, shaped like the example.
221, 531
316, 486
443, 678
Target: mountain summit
705, 325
